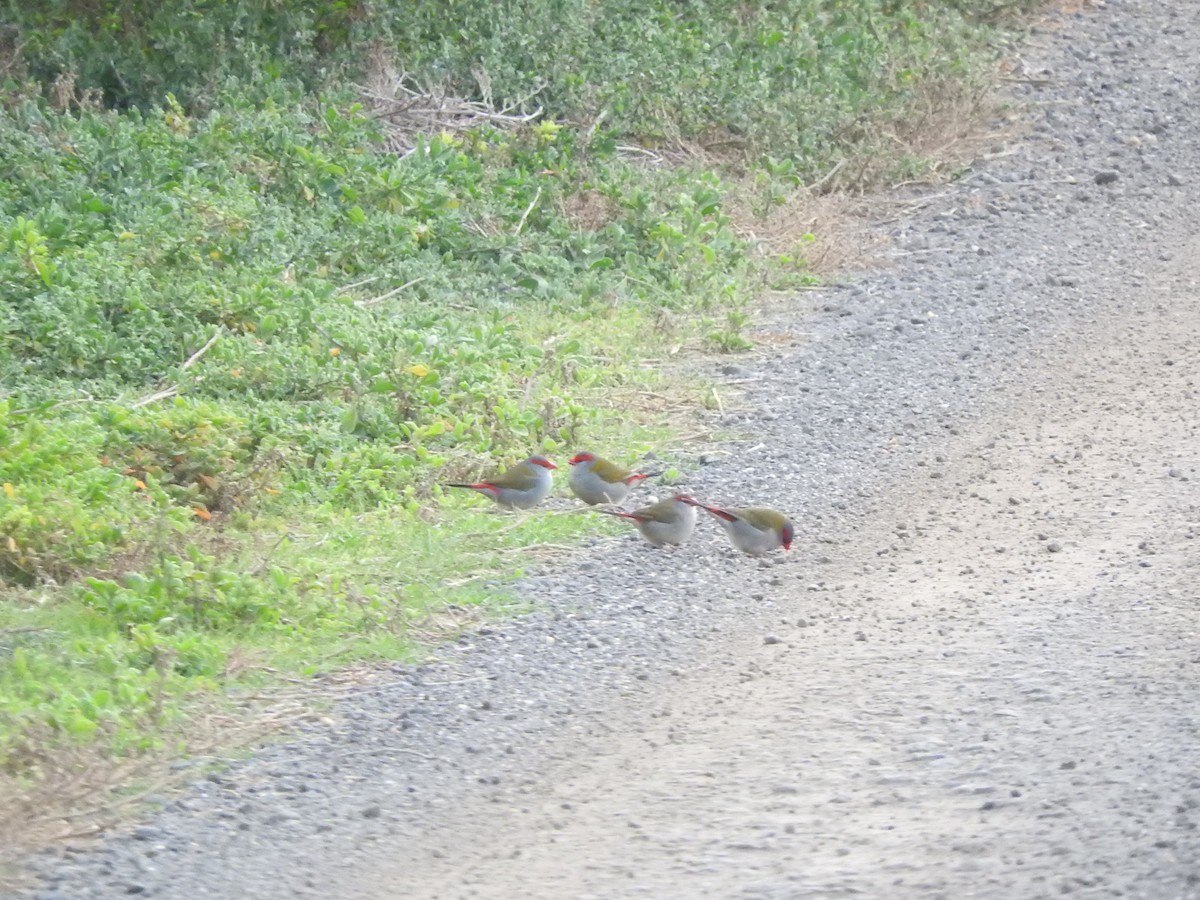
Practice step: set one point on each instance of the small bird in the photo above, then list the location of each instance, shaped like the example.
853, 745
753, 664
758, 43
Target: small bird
669, 521
754, 530
595, 480
523, 486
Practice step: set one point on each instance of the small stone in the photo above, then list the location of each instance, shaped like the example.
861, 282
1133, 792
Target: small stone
772, 639
1107, 176
1174, 473
1069, 764
372, 812
1174, 180
1054, 547
860, 636
147, 833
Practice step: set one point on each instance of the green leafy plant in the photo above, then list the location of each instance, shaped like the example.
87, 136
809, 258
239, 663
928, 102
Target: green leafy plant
729, 338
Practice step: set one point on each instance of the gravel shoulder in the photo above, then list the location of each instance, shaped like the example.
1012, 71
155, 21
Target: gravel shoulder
975, 675
989, 692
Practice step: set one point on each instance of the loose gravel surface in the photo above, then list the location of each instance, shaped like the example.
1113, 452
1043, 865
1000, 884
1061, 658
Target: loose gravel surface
975, 675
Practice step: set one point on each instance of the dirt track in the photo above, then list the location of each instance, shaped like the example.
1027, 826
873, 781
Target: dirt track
977, 673
1023, 691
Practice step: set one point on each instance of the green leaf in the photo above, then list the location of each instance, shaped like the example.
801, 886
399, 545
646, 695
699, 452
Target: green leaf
268, 325
80, 725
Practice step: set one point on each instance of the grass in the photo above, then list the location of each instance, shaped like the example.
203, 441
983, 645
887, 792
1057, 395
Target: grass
242, 342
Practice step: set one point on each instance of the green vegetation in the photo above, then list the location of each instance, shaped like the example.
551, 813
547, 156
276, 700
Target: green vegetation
802, 79
241, 342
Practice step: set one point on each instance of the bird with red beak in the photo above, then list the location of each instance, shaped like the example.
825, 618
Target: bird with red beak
523, 486
754, 530
595, 480
669, 521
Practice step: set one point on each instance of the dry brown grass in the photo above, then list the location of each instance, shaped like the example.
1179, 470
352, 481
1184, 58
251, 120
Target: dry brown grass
831, 225
589, 210
1070, 7
828, 232
70, 793
408, 111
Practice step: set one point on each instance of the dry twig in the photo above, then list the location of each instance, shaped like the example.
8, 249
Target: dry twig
411, 111
199, 353
372, 301
164, 393
537, 195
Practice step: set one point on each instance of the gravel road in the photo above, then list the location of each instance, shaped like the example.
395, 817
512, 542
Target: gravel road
976, 674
